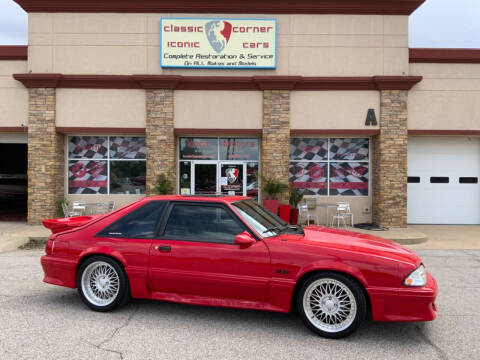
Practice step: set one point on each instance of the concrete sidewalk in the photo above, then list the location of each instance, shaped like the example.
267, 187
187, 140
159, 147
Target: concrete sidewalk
404, 236
15, 234
449, 236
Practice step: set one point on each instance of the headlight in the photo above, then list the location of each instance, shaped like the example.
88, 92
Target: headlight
417, 277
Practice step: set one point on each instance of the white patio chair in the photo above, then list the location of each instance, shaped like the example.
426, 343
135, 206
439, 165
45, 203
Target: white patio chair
110, 206
79, 207
303, 211
348, 213
339, 217
67, 213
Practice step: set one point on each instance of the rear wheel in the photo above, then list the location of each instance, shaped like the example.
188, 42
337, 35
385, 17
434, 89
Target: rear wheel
331, 305
102, 283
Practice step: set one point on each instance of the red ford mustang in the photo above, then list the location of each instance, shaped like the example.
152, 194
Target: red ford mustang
229, 251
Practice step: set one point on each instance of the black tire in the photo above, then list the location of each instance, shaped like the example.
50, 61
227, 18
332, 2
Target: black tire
315, 323
122, 295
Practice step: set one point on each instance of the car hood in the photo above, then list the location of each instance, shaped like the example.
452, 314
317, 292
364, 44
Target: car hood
359, 243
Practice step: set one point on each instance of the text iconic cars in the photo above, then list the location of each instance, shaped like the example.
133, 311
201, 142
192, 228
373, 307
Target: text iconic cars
229, 251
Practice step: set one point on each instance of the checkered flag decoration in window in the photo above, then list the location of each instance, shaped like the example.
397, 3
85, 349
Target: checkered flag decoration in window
308, 149
87, 147
348, 179
123, 147
349, 149
87, 177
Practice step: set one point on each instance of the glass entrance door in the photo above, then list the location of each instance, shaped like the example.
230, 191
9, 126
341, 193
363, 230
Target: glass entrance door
205, 178
232, 179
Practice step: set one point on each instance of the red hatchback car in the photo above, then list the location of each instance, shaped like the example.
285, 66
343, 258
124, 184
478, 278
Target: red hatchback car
230, 251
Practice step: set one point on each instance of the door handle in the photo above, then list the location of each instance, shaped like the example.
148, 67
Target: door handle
163, 248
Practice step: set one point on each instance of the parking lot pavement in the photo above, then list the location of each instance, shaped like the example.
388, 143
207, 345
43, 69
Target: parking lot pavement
40, 321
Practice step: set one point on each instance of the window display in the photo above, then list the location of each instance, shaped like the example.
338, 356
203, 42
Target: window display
121, 167
335, 166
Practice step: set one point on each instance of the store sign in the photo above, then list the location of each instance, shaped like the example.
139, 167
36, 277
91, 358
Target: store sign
238, 149
218, 43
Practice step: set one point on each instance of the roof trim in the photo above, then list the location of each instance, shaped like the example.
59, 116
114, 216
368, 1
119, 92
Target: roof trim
252, 83
390, 7
443, 132
196, 131
366, 132
445, 56
98, 130
13, 52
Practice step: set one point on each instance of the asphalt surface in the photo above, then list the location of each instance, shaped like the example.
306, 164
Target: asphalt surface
40, 321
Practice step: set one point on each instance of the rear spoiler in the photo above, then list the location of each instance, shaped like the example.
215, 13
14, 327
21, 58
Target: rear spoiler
64, 224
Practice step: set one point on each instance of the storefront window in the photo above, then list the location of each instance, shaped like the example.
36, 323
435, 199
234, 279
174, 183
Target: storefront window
335, 166
185, 177
238, 149
127, 177
198, 148
218, 165
252, 179
120, 169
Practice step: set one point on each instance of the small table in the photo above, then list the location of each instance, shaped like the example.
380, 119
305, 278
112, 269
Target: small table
326, 206
93, 208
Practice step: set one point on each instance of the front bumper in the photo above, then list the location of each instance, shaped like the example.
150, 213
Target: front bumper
405, 303
59, 271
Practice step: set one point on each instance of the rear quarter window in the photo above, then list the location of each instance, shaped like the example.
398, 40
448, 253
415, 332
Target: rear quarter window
140, 223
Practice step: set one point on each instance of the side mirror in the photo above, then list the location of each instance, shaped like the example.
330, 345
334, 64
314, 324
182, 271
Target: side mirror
244, 239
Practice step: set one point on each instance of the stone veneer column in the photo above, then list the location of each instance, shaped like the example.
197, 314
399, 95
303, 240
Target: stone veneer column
389, 166
276, 137
160, 137
45, 156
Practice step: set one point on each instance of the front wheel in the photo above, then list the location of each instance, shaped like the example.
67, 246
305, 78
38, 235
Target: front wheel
331, 305
102, 283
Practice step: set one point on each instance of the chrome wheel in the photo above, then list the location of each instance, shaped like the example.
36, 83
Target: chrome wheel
329, 305
100, 283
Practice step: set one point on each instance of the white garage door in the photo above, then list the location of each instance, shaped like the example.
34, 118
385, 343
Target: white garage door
443, 180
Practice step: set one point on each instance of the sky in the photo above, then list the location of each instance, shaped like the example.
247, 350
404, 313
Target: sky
437, 24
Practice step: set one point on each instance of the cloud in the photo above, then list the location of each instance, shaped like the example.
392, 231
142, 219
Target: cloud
446, 23
13, 24
437, 23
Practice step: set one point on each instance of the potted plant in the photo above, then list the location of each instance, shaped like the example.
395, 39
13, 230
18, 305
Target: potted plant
59, 206
296, 198
164, 185
272, 188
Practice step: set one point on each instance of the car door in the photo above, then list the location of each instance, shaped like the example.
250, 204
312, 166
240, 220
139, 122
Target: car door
196, 255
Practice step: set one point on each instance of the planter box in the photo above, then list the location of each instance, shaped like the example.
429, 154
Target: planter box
285, 212
271, 205
294, 216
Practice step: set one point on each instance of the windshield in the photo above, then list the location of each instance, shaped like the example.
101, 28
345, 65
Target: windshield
263, 221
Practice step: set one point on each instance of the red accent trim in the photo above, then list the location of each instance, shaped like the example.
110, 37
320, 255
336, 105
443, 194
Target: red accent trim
157, 81
179, 82
191, 131
99, 130
217, 83
13, 52
444, 132
396, 82
392, 7
445, 56
337, 83
13, 129
366, 132
98, 82
277, 82
38, 80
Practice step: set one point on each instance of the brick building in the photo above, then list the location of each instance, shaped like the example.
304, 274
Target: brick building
345, 110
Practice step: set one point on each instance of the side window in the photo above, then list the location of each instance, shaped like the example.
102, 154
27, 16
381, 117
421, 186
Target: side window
202, 223
140, 223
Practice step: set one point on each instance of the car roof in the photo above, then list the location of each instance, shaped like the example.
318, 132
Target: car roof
209, 198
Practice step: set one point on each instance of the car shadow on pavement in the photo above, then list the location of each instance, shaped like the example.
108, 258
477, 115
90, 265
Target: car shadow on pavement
153, 313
